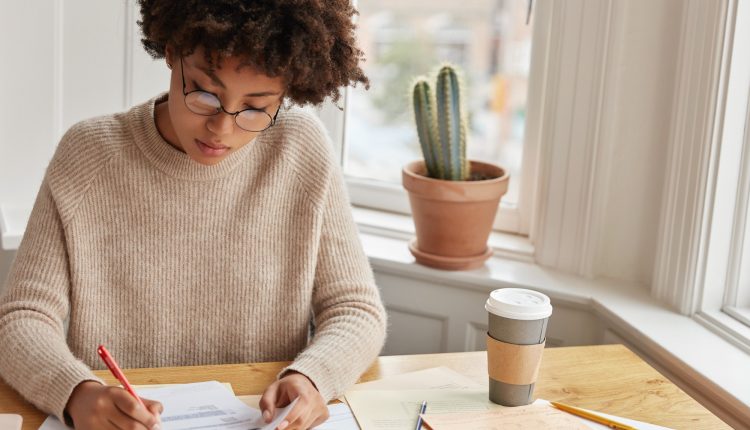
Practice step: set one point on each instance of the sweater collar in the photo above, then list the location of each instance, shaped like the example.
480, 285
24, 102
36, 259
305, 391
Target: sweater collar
170, 160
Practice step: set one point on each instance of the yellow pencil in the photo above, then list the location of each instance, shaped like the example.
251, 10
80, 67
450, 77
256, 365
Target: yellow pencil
592, 416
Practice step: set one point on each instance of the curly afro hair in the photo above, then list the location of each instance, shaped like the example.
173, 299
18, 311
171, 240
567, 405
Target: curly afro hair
310, 44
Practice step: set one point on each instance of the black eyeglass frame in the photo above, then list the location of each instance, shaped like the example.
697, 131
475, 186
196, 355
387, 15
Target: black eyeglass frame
185, 93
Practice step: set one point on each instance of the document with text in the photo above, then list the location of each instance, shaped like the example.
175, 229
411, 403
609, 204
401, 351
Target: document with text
203, 405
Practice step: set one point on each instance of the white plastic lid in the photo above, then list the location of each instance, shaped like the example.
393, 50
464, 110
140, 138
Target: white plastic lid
519, 304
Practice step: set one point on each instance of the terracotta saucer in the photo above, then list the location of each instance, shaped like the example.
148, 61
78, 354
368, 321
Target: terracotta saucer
448, 263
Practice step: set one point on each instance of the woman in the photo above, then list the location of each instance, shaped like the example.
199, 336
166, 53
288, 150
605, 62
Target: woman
208, 225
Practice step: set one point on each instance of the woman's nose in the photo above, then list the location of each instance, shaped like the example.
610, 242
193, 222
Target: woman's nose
220, 124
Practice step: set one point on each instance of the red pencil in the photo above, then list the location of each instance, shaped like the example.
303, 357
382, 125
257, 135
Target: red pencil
115, 369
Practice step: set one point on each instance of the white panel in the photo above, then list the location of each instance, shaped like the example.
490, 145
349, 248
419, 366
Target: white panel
72, 60
608, 100
611, 337
648, 46
27, 121
574, 93
690, 165
458, 306
476, 335
413, 332
572, 327
578, 118
93, 60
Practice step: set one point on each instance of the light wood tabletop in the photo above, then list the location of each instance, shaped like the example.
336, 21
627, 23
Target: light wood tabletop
607, 378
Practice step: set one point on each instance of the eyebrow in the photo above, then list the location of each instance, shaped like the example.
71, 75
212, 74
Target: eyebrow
218, 82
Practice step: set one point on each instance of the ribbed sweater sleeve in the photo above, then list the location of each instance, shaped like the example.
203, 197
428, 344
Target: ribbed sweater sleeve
350, 321
35, 306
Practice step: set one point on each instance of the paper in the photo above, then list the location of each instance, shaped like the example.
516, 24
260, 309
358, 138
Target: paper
52, 423
436, 378
339, 415
340, 418
640, 425
398, 409
204, 405
517, 418
137, 388
10, 421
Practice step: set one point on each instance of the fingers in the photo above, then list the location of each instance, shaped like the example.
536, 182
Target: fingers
268, 401
297, 419
134, 415
124, 422
156, 408
93, 406
307, 412
321, 418
310, 407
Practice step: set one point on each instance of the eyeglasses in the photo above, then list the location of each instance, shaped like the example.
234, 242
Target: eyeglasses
208, 104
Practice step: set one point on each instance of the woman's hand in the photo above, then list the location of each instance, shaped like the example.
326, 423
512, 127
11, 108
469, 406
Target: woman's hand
96, 406
310, 410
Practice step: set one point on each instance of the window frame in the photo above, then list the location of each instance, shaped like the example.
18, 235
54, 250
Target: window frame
727, 203
511, 218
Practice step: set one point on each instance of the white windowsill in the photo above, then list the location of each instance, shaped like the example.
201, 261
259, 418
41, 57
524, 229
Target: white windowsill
707, 367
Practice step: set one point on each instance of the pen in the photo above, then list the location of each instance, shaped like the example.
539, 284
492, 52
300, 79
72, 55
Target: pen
115, 369
421, 411
592, 416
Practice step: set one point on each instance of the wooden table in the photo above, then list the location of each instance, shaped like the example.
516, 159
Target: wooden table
607, 378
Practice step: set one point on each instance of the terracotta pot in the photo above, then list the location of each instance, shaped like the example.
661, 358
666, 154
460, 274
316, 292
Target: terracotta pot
453, 219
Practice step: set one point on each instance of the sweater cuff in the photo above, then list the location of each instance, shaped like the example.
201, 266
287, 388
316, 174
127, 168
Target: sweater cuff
321, 377
66, 380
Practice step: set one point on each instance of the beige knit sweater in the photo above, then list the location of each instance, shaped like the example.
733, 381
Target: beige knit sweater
169, 262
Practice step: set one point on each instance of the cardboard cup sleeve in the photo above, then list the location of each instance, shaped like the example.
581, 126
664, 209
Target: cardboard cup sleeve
513, 364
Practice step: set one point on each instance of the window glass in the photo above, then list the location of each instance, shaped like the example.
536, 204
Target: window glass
491, 42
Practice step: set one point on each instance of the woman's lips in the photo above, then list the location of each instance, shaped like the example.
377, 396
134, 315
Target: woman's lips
211, 150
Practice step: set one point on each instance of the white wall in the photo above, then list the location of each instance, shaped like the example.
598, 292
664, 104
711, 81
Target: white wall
64, 62
641, 103
605, 88
27, 124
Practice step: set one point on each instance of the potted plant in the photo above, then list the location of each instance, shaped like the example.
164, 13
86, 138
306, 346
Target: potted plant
453, 200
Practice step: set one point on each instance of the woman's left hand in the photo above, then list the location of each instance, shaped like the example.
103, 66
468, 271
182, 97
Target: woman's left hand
310, 410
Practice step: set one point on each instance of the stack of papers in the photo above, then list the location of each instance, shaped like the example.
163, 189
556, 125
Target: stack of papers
455, 402
518, 418
211, 405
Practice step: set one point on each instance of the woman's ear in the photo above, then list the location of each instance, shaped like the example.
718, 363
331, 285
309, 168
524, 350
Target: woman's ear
169, 56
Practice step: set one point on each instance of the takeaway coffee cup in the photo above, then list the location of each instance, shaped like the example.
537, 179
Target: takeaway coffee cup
515, 342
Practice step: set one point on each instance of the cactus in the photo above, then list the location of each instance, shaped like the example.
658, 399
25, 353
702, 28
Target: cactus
441, 126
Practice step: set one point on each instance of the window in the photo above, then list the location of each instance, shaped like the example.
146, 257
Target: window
489, 39
725, 304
